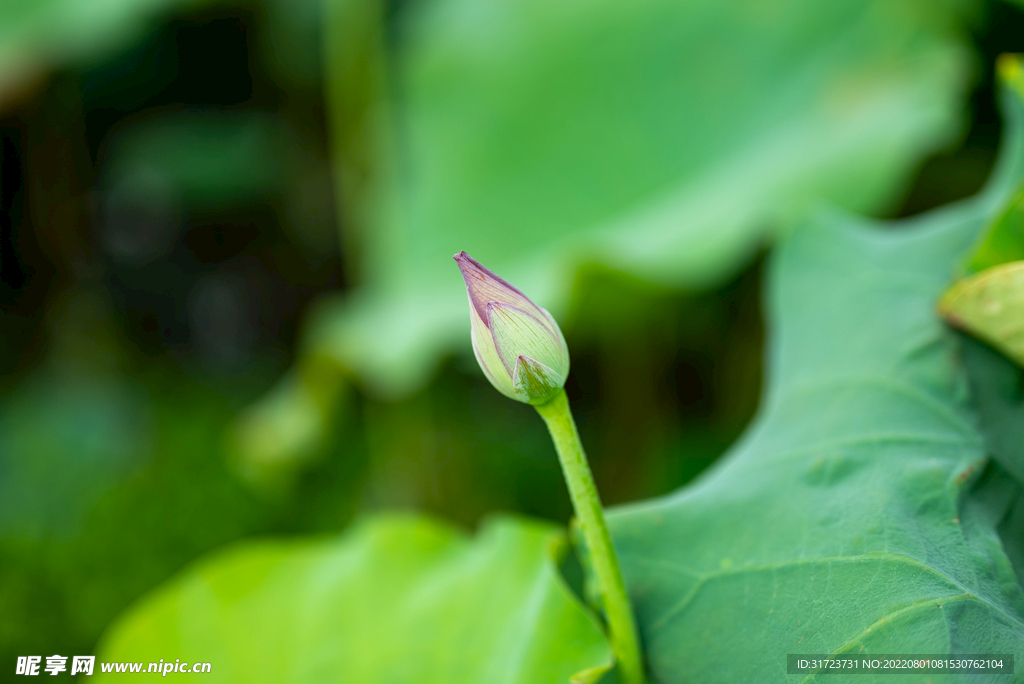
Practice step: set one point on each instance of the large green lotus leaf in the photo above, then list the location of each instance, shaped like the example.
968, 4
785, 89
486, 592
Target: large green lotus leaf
396, 599
660, 138
849, 518
666, 139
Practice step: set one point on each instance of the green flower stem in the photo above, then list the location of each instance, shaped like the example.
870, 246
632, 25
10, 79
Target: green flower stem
619, 613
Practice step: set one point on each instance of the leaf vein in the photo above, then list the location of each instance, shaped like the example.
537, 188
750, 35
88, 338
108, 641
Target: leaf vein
702, 580
915, 606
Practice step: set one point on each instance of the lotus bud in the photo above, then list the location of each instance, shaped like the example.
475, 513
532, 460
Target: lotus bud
517, 343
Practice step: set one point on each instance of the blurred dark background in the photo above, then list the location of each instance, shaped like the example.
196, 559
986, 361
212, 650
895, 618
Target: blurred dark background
167, 218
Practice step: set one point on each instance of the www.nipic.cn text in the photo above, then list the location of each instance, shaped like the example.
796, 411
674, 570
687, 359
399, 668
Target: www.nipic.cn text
57, 664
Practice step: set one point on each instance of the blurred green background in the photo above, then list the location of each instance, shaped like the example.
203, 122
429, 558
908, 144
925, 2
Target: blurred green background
218, 222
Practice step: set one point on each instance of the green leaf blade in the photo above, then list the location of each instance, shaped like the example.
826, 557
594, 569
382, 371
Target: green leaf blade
844, 519
397, 599
662, 139
669, 141
990, 305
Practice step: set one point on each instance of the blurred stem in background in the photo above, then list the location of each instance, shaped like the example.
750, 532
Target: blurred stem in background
618, 611
355, 89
